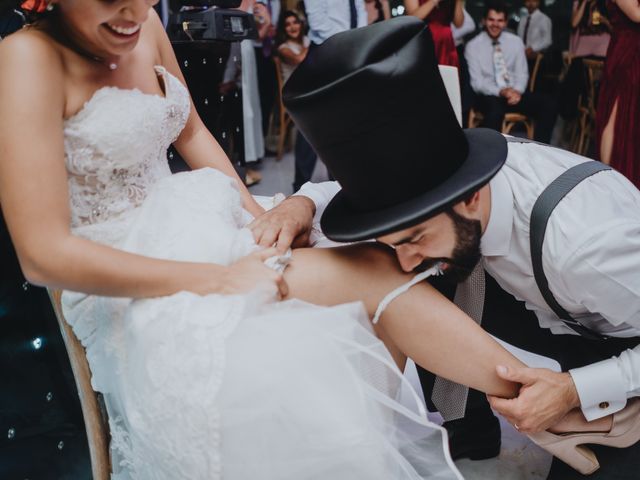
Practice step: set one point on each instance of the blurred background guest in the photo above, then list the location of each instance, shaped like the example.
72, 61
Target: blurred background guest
589, 38
377, 10
534, 29
499, 76
266, 14
293, 44
326, 18
252, 113
460, 35
590, 29
618, 112
439, 15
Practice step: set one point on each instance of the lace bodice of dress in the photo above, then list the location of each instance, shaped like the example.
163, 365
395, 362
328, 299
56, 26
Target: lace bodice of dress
115, 149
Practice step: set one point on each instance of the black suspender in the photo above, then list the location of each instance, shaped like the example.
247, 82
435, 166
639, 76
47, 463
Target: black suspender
542, 209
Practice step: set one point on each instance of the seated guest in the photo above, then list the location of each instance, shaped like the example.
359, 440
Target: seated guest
293, 43
534, 29
499, 76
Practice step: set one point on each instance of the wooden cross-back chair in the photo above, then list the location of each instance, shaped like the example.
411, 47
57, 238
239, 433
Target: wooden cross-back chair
93, 411
283, 119
587, 106
511, 119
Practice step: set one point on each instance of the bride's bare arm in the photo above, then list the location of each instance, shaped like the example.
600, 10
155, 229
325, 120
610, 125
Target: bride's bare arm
420, 323
196, 144
35, 199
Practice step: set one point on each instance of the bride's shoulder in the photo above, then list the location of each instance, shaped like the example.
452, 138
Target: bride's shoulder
32, 75
30, 51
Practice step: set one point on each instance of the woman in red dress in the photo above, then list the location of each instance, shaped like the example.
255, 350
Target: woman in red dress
439, 14
618, 117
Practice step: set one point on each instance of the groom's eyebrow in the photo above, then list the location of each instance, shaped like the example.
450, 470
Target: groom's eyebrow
409, 238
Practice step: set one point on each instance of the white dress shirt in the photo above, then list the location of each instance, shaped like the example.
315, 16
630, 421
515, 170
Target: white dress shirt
479, 56
328, 17
591, 257
539, 34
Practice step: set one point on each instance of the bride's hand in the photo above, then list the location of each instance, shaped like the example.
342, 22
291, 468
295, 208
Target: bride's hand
250, 272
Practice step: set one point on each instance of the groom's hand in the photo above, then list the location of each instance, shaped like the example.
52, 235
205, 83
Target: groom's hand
545, 397
288, 224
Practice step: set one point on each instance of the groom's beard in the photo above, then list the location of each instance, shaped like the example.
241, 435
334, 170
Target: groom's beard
466, 253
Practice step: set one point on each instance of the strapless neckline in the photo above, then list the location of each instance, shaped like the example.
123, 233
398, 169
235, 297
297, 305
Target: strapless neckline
160, 71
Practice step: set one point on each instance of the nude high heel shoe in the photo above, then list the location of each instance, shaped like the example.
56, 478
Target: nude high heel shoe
569, 447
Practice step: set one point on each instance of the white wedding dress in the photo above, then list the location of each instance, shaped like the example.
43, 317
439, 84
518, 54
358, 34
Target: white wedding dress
237, 387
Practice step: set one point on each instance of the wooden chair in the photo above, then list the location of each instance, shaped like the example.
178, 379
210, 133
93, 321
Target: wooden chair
587, 106
511, 119
284, 120
93, 411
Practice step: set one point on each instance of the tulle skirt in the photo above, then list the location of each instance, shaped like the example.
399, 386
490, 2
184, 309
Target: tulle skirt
241, 386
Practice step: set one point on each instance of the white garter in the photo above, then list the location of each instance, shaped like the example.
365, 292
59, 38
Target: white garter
279, 262
391, 296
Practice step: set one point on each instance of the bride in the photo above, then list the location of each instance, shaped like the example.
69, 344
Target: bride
205, 373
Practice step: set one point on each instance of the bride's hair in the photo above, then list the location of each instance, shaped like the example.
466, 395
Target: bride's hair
33, 10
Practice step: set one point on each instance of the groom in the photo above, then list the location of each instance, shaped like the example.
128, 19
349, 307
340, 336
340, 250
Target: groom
372, 100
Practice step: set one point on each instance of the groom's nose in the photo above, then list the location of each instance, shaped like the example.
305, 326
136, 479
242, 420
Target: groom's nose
409, 257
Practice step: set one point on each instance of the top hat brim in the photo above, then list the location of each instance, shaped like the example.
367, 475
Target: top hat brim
487, 153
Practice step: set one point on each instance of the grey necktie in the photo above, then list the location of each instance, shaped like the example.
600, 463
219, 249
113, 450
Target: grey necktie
451, 398
526, 29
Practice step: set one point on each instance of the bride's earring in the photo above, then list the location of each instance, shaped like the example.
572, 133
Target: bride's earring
50, 6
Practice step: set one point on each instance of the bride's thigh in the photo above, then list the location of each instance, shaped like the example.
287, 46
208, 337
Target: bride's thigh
329, 276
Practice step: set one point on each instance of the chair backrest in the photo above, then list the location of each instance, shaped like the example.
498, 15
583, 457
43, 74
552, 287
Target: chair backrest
449, 76
593, 71
279, 78
535, 71
93, 412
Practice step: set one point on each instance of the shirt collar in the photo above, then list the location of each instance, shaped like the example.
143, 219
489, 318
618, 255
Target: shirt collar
491, 40
496, 238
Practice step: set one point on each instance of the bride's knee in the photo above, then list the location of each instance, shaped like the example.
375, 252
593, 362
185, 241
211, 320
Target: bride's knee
373, 255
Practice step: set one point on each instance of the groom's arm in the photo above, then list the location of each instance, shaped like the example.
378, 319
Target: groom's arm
290, 223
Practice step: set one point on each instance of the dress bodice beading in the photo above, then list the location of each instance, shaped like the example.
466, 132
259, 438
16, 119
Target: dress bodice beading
115, 150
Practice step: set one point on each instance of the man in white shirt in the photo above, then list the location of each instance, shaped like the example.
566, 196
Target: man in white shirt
326, 18
534, 29
476, 209
500, 75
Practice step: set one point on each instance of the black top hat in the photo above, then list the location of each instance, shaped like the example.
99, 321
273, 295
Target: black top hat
373, 105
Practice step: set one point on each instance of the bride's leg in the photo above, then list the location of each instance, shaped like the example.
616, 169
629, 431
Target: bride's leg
421, 323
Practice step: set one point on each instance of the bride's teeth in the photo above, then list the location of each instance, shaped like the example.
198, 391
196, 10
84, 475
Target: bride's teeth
124, 31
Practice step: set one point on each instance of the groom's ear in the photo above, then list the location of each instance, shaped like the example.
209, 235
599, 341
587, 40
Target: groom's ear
469, 206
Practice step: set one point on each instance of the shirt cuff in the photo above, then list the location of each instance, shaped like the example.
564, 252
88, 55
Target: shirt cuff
601, 388
320, 194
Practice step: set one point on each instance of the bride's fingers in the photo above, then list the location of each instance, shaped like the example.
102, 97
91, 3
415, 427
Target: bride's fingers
283, 288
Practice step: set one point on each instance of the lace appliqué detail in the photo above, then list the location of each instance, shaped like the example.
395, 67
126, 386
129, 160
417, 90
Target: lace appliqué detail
116, 150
